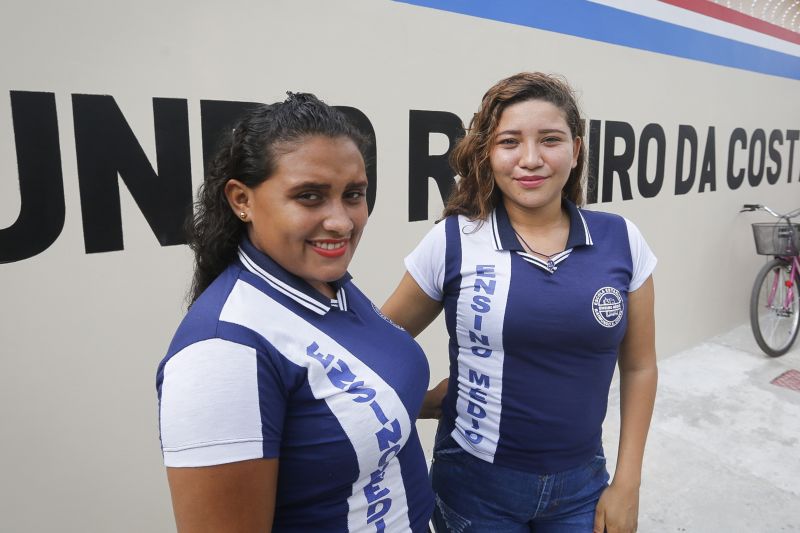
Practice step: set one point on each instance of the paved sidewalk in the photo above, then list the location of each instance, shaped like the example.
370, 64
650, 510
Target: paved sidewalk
724, 448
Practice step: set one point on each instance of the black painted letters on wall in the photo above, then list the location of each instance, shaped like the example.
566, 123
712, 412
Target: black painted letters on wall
108, 152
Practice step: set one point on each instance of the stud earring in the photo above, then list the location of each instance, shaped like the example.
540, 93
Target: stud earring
242, 215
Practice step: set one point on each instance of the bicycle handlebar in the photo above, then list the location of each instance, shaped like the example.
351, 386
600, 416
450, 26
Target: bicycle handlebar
750, 207
759, 207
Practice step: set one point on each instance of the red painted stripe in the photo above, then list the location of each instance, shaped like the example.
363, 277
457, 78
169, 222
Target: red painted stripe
717, 11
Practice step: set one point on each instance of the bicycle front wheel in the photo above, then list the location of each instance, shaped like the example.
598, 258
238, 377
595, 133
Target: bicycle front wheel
774, 308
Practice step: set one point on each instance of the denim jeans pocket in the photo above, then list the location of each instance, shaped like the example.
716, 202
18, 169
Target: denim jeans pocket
596, 473
597, 463
593, 472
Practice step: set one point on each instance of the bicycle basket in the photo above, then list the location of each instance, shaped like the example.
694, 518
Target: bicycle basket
776, 239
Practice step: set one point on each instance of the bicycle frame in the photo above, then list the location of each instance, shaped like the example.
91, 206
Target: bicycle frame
790, 284
776, 324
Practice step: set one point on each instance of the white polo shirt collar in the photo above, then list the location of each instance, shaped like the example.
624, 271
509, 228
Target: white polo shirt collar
505, 238
289, 284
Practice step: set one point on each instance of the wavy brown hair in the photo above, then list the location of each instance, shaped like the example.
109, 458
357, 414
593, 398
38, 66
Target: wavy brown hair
475, 194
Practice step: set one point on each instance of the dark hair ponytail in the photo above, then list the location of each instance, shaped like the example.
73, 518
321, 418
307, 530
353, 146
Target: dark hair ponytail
250, 154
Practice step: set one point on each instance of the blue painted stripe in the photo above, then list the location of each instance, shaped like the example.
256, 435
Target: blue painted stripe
603, 23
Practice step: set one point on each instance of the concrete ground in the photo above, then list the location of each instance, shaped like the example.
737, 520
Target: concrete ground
723, 453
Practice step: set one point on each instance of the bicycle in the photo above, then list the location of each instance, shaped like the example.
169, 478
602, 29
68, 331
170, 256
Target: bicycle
775, 298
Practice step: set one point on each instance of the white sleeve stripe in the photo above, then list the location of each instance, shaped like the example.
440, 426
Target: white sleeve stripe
206, 456
642, 257
421, 281
205, 444
426, 264
210, 401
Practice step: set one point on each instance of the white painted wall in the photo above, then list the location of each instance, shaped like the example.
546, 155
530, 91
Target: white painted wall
81, 335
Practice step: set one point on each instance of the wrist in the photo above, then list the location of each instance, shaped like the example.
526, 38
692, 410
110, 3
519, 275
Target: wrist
626, 482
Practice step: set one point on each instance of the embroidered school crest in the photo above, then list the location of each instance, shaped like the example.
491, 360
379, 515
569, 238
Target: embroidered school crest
608, 307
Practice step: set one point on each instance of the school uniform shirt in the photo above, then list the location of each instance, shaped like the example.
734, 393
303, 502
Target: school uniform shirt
533, 343
264, 366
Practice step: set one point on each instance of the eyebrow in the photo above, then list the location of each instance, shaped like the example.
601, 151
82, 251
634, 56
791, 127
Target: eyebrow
543, 131
326, 186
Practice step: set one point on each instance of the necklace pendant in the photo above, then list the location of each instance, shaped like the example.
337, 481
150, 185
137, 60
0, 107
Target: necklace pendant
551, 266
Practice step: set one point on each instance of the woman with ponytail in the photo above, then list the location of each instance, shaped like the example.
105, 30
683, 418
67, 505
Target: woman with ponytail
282, 406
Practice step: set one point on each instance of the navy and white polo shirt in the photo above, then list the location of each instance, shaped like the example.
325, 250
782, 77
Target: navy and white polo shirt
533, 343
264, 366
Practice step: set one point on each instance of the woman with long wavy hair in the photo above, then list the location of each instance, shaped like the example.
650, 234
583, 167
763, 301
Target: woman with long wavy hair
542, 299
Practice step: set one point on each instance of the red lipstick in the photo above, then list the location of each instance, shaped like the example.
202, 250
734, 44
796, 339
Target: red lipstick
338, 250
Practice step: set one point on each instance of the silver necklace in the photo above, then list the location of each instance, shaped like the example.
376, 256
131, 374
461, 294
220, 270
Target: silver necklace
551, 266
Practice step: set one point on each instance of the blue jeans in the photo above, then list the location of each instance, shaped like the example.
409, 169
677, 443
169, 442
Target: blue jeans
473, 495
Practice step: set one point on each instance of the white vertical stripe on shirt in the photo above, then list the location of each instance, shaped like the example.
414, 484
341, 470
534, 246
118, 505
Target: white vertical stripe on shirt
293, 337
485, 279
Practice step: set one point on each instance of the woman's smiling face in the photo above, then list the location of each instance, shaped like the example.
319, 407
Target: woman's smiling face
532, 154
309, 214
